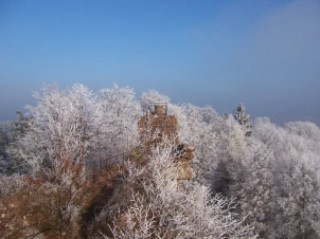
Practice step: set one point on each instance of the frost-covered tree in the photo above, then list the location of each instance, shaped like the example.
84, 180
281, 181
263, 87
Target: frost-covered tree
61, 130
232, 155
4, 141
165, 208
118, 115
69, 145
243, 119
308, 130
281, 192
75, 130
10, 132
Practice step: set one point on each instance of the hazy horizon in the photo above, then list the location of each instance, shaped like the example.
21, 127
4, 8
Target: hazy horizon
265, 53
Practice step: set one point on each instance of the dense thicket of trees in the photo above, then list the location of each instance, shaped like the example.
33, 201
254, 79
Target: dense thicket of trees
74, 167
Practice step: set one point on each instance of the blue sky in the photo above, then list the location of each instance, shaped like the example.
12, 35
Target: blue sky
263, 53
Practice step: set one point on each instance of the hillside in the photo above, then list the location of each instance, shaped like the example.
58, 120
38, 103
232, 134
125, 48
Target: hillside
108, 164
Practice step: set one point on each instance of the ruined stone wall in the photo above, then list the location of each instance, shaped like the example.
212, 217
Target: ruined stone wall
154, 127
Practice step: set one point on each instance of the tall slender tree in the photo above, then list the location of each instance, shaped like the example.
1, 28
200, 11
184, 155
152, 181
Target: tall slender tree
239, 114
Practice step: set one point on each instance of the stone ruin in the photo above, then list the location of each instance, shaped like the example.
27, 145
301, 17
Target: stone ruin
156, 126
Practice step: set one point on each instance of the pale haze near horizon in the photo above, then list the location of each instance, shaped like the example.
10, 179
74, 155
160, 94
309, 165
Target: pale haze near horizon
265, 53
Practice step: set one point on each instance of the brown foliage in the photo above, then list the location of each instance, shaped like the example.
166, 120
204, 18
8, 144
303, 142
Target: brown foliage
33, 210
55, 211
